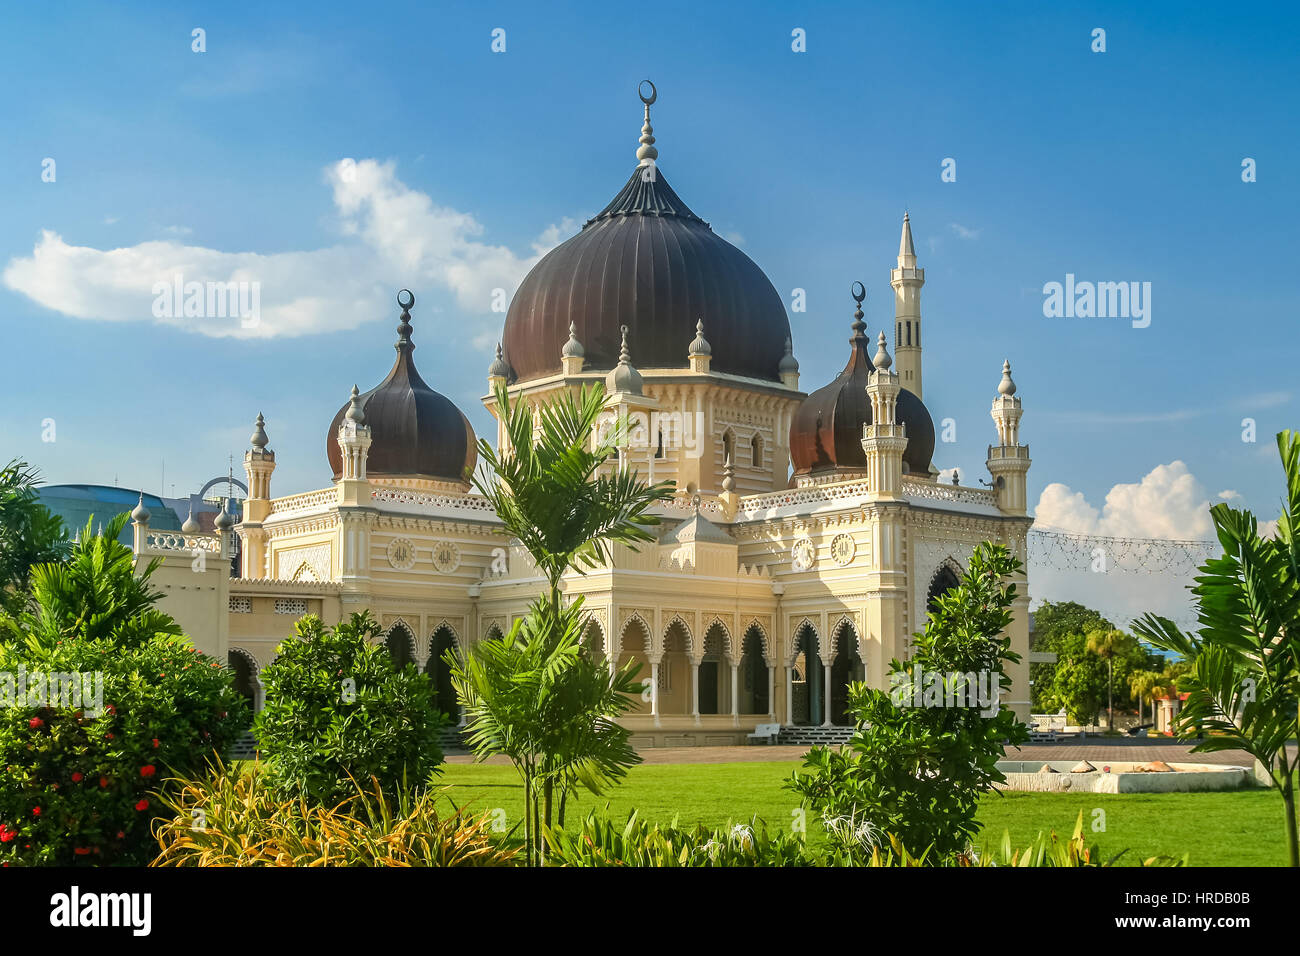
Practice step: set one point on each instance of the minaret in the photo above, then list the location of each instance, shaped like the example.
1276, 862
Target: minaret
885, 439
573, 355
354, 443
259, 463
907, 280
1008, 460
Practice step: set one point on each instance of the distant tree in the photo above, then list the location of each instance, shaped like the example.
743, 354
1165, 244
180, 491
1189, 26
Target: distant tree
1079, 681
1109, 645
1054, 621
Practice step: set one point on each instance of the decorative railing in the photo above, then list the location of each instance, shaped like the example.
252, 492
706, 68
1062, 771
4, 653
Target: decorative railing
751, 505
179, 541
308, 501
932, 490
475, 505
754, 504
684, 502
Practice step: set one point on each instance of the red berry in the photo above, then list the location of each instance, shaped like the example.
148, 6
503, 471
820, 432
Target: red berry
36, 811
36, 723
143, 804
76, 777
148, 770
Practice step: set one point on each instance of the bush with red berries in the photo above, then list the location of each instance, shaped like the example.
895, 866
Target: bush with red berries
80, 788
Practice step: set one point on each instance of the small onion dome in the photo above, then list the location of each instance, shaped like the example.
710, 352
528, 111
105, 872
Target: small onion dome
499, 367
1006, 386
788, 362
140, 514
259, 438
624, 377
355, 412
882, 360
572, 348
700, 345
224, 521
826, 431
415, 432
190, 526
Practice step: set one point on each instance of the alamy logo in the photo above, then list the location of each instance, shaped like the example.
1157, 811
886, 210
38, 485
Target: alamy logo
1102, 300
73, 909
923, 688
208, 300
660, 431
74, 689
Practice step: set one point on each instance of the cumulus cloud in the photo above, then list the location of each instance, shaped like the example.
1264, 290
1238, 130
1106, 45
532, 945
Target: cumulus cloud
392, 235
1167, 503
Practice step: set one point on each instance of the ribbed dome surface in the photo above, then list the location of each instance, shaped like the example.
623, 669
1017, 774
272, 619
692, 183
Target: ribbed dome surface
646, 261
826, 431
415, 431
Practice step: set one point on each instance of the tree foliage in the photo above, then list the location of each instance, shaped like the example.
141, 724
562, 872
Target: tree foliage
916, 773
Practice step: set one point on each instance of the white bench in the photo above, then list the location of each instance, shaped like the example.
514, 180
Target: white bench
766, 732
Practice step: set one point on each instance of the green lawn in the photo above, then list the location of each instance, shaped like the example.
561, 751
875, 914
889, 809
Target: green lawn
1215, 829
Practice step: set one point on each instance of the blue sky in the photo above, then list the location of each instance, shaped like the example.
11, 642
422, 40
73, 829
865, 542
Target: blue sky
1115, 166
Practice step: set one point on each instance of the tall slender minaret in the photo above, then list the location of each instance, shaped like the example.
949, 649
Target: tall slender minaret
885, 439
907, 280
1008, 460
259, 463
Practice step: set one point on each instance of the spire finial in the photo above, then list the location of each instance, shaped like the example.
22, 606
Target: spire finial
646, 153
700, 345
623, 377
788, 362
859, 293
882, 361
259, 439
499, 368
573, 348
905, 245
355, 412
624, 356
140, 515
404, 327
190, 526
1006, 387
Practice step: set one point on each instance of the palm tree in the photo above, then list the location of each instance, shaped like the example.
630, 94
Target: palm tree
533, 695
30, 533
96, 592
1143, 685
1243, 677
1108, 645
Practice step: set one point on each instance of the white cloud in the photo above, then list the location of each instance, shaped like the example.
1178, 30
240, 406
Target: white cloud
963, 232
394, 236
1167, 503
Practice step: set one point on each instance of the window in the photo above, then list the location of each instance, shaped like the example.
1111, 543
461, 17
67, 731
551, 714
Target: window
291, 606
241, 605
756, 450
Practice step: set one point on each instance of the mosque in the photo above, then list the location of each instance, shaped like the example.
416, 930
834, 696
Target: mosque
806, 539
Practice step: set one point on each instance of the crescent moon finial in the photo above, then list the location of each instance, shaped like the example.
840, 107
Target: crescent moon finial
859, 292
410, 299
654, 93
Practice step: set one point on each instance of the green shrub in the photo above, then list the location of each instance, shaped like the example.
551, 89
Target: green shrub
80, 788
916, 768
637, 843
235, 819
338, 710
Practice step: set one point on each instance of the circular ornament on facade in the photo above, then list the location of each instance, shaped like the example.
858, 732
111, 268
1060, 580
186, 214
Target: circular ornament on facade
446, 557
401, 554
842, 549
804, 554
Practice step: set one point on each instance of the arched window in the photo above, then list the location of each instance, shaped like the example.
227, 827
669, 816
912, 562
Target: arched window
728, 447
401, 646
756, 450
944, 581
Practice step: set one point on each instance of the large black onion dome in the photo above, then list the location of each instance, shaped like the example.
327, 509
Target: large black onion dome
826, 431
415, 432
648, 262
